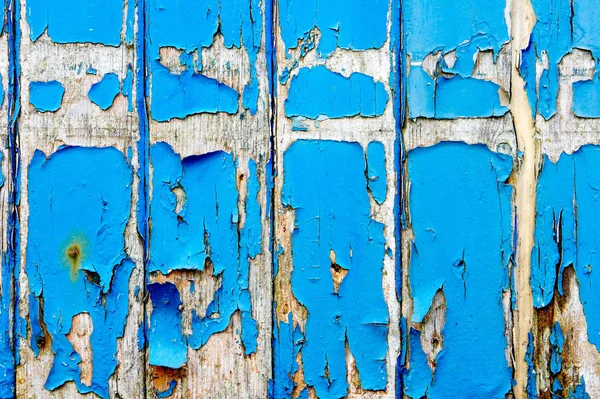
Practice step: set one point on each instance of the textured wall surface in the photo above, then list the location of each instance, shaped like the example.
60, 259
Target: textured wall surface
300, 199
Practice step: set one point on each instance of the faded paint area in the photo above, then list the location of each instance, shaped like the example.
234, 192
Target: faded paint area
46, 96
562, 25
191, 26
461, 216
357, 25
79, 203
318, 92
566, 231
325, 185
451, 90
73, 21
104, 92
196, 226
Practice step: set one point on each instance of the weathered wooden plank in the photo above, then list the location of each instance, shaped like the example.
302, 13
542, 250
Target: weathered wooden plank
458, 238
209, 269
81, 273
563, 345
337, 317
7, 294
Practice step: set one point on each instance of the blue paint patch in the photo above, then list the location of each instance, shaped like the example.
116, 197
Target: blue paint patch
104, 92
421, 93
317, 91
531, 373
466, 28
188, 93
553, 252
287, 343
167, 345
562, 25
75, 254
46, 96
457, 97
191, 229
586, 98
69, 21
358, 25
168, 392
7, 360
452, 98
557, 341
419, 377
191, 26
460, 211
568, 213
376, 172
325, 184
578, 392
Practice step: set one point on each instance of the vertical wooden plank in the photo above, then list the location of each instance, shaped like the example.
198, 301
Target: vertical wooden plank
337, 317
458, 248
563, 355
7, 294
81, 272
209, 268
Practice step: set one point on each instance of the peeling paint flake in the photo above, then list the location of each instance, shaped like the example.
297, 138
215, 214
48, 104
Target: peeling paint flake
79, 202
325, 184
460, 211
195, 222
357, 25
191, 26
46, 96
562, 25
464, 28
104, 92
567, 231
168, 347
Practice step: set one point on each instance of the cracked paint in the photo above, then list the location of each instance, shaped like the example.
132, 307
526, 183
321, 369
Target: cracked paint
325, 185
463, 29
191, 26
357, 25
566, 231
461, 216
195, 223
75, 256
7, 371
287, 344
562, 25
